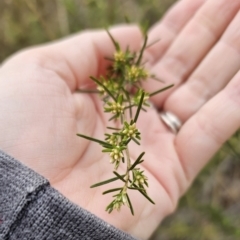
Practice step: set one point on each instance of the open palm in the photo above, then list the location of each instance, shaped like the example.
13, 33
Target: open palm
41, 112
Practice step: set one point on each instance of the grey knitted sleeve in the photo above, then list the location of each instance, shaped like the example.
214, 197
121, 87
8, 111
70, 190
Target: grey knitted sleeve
31, 209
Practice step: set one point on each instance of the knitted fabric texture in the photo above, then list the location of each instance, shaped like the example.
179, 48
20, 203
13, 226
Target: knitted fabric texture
31, 209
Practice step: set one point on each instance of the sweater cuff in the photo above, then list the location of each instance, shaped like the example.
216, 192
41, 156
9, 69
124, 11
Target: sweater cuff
31, 209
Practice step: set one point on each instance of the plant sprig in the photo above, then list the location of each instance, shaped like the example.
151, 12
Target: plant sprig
121, 91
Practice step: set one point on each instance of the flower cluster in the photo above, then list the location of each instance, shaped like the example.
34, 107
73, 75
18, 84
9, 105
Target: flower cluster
121, 59
139, 179
112, 139
130, 131
106, 84
120, 200
134, 73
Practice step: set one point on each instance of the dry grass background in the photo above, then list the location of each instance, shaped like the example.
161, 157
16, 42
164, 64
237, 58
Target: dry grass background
210, 210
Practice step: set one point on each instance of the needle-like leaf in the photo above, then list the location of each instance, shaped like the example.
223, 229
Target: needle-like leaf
116, 45
113, 117
146, 196
142, 50
95, 140
143, 193
111, 190
152, 43
105, 182
130, 204
137, 161
139, 107
104, 87
160, 90
136, 141
112, 128
157, 79
119, 176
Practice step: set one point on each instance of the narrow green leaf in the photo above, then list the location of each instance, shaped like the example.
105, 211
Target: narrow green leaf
122, 147
152, 43
160, 90
105, 88
119, 176
142, 50
112, 128
137, 161
116, 133
107, 145
130, 204
138, 136
130, 106
117, 47
146, 196
142, 192
128, 141
139, 107
107, 150
136, 141
113, 117
157, 79
111, 190
146, 104
135, 188
95, 140
105, 182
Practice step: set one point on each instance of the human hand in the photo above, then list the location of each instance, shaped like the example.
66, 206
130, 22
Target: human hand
41, 112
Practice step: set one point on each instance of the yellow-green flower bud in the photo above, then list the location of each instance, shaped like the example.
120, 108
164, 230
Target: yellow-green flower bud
119, 56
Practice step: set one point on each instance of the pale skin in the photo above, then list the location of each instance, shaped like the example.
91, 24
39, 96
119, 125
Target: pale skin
41, 112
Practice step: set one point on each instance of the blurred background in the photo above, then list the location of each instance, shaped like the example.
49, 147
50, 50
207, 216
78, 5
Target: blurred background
210, 210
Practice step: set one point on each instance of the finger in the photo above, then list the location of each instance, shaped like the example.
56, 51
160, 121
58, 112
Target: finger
78, 57
168, 28
205, 132
221, 64
193, 43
